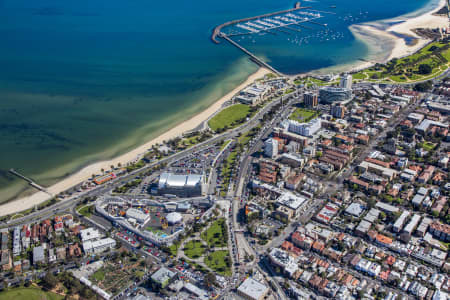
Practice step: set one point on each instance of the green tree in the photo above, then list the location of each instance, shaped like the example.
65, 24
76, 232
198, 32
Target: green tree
210, 279
425, 69
49, 281
423, 86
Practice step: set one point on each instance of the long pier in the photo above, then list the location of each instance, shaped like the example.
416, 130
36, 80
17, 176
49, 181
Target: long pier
257, 60
217, 30
30, 181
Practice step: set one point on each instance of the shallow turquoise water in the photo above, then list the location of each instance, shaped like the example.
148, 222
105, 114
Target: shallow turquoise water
86, 80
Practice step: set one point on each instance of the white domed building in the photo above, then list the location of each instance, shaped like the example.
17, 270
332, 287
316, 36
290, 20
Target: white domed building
174, 218
187, 185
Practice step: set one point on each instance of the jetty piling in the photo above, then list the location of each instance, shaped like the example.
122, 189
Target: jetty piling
257, 60
30, 181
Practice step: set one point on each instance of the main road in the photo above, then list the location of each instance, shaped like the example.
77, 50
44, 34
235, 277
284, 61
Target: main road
242, 243
69, 203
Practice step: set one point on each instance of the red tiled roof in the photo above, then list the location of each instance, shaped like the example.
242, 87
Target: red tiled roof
378, 162
383, 239
440, 227
390, 260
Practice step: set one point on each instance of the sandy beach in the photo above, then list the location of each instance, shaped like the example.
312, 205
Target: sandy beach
86, 173
385, 45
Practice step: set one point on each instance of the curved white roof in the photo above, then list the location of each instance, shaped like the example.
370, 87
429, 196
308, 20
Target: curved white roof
176, 180
163, 180
193, 180
174, 217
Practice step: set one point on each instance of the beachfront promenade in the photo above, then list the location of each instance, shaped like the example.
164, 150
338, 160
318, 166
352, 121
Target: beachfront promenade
71, 202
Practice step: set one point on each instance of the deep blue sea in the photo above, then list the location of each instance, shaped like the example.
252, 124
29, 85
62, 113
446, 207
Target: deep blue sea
87, 80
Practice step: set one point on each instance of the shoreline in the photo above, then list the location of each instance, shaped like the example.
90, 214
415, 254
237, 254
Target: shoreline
384, 45
24, 203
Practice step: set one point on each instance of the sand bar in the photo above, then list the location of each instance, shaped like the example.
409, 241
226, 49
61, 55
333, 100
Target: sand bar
383, 44
86, 173
380, 39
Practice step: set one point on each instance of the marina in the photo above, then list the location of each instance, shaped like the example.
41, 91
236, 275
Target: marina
263, 25
286, 22
72, 77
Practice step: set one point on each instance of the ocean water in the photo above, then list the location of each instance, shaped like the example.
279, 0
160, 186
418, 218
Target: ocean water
86, 80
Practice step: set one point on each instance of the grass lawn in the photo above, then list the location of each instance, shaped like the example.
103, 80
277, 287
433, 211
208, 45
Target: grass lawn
428, 146
193, 249
173, 249
216, 261
309, 81
359, 76
436, 55
196, 266
288, 91
231, 159
244, 139
398, 78
303, 115
226, 169
192, 139
30, 293
85, 210
229, 162
229, 117
187, 142
213, 235
99, 275
318, 81
446, 54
